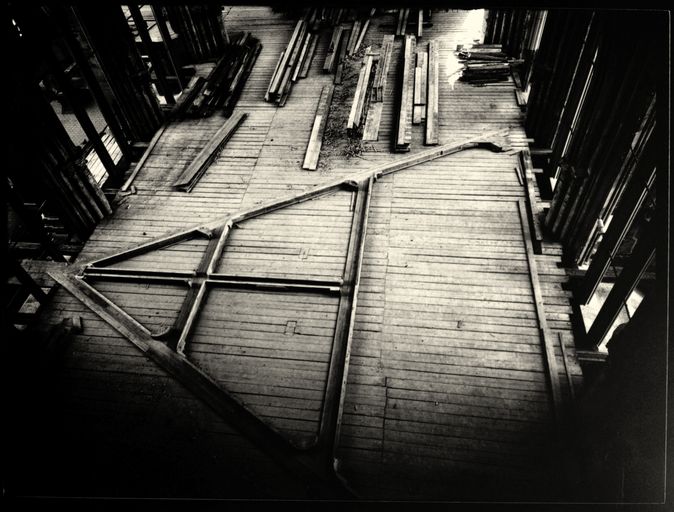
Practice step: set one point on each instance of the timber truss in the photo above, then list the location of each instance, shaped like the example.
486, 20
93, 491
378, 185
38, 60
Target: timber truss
313, 461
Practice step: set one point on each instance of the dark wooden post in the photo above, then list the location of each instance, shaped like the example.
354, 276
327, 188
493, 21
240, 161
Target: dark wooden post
155, 58
160, 18
626, 282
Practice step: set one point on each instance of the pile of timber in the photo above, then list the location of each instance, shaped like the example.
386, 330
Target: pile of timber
223, 86
362, 94
373, 119
193, 172
418, 94
485, 63
295, 60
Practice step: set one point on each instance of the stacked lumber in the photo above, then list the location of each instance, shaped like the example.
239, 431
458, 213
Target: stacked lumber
295, 60
223, 86
193, 172
404, 125
403, 18
320, 122
373, 119
362, 94
432, 95
485, 63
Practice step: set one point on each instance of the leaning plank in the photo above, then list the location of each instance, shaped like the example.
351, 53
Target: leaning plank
187, 180
361, 36
547, 339
205, 388
320, 122
432, 99
356, 112
420, 22
145, 156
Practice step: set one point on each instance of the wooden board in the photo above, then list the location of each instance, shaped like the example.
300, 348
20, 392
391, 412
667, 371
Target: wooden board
432, 129
320, 122
188, 178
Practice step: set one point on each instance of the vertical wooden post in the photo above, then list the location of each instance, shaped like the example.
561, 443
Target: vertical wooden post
160, 18
622, 289
82, 115
155, 59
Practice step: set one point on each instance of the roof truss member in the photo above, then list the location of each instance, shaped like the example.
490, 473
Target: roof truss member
312, 459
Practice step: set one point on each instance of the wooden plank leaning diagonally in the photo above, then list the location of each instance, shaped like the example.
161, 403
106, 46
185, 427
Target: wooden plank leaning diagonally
355, 115
189, 177
320, 121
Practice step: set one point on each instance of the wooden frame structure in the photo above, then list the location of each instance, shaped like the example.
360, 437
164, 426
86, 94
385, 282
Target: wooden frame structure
315, 460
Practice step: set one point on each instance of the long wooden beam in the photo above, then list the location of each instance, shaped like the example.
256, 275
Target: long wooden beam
333, 397
203, 386
188, 178
547, 339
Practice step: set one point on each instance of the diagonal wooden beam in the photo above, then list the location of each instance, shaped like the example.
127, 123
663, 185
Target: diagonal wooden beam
333, 398
303, 464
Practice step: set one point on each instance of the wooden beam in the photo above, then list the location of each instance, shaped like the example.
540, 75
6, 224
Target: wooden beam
189, 177
146, 154
355, 115
333, 398
234, 413
432, 98
320, 122
533, 208
274, 85
406, 98
547, 339
636, 266
155, 59
310, 56
352, 276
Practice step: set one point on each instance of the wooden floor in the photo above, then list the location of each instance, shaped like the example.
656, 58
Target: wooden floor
447, 395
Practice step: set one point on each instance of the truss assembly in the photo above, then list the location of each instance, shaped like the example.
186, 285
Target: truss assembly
315, 461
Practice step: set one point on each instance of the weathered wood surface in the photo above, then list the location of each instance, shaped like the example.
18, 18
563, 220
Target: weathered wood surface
446, 379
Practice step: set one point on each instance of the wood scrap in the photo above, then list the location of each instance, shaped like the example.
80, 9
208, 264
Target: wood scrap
191, 175
318, 129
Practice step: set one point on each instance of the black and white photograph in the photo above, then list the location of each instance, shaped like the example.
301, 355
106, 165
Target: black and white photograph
338, 254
